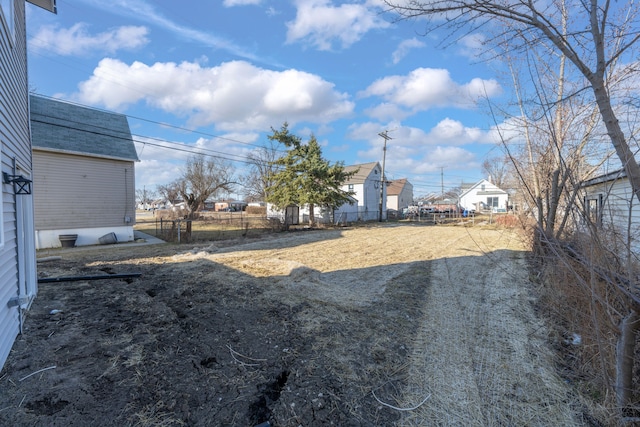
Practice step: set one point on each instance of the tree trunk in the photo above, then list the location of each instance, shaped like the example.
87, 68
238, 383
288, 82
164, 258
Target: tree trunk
618, 139
625, 351
312, 219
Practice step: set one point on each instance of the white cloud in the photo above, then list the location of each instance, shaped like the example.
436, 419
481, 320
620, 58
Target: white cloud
387, 111
78, 41
320, 24
404, 47
453, 132
231, 3
472, 45
426, 88
412, 150
234, 96
161, 162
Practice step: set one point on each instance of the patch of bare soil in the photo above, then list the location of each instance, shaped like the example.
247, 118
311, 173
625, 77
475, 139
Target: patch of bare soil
396, 325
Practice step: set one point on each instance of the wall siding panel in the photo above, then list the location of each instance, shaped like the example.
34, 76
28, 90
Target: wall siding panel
15, 146
618, 208
74, 191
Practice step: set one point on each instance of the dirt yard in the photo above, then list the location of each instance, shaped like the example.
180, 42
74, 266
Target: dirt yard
406, 325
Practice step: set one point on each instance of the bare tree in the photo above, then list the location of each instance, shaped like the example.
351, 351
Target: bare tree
599, 39
170, 192
145, 197
263, 169
497, 169
203, 177
592, 36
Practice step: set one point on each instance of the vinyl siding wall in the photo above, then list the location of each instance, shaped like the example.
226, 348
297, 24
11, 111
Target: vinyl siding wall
616, 206
367, 207
73, 191
15, 145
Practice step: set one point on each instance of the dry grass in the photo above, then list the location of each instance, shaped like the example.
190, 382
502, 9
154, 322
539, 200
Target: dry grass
478, 351
378, 325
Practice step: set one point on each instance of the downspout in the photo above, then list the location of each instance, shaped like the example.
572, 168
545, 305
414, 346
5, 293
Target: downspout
20, 273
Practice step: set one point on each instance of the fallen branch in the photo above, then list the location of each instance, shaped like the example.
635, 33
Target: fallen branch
400, 409
37, 372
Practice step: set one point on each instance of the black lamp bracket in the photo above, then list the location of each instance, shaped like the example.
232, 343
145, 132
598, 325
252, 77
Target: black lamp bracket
21, 185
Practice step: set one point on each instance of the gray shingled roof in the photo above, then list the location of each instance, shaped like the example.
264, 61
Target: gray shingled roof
61, 126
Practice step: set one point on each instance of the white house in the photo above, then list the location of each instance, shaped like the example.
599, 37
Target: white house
483, 195
609, 203
368, 199
399, 194
18, 279
83, 173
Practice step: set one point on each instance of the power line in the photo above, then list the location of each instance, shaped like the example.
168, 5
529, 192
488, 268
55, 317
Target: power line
168, 125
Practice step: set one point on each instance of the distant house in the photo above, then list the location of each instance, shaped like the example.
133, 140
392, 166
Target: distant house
18, 279
368, 196
609, 202
399, 194
366, 201
84, 180
483, 195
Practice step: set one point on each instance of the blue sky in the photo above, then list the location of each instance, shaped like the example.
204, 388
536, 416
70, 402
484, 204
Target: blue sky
217, 75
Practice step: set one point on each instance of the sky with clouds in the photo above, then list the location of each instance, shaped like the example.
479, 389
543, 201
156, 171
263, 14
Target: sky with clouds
216, 76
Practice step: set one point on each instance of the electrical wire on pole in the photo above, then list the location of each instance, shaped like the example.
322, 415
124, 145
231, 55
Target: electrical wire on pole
382, 180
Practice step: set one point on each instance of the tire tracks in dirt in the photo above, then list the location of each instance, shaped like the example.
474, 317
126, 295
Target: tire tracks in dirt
481, 353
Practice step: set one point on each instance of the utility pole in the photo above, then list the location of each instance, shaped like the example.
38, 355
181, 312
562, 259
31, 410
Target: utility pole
382, 180
442, 183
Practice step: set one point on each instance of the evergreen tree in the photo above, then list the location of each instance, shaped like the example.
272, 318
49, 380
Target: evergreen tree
304, 177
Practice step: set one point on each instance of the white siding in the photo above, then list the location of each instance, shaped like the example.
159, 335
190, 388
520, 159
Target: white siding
617, 210
15, 146
471, 198
367, 196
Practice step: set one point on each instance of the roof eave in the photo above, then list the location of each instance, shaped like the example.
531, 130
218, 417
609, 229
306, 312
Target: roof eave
84, 154
49, 5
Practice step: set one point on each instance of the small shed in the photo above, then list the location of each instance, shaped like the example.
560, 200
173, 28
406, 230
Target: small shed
84, 176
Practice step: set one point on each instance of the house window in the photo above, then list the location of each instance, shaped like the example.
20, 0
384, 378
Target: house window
8, 15
492, 202
593, 208
350, 187
482, 187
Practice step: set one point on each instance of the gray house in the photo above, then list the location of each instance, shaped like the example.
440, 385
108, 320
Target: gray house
83, 166
18, 280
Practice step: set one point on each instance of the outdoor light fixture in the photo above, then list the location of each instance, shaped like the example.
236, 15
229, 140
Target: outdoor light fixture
21, 185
